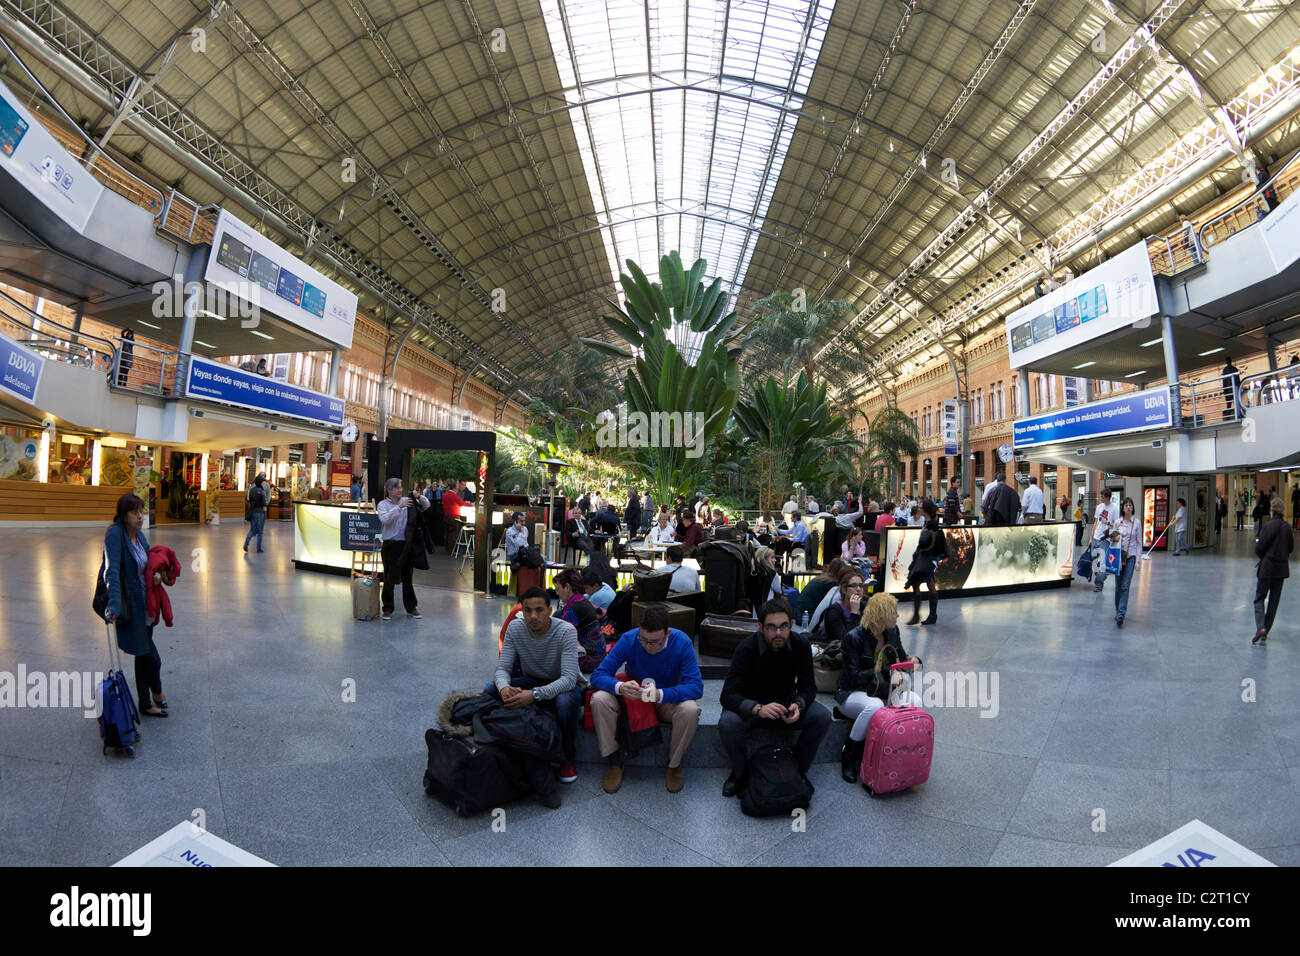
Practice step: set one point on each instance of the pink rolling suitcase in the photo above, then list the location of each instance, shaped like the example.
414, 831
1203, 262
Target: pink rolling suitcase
900, 743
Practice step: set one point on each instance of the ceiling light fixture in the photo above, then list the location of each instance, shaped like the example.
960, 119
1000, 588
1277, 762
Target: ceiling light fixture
206, 345
1135, 374
1149, 344
1084, 365
150, 324
262, 334
1211, 351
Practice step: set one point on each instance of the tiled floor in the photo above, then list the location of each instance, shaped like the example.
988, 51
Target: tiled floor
1147, 724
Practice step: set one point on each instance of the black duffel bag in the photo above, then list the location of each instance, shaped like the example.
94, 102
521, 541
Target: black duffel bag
774, 785
528, 731
470, 777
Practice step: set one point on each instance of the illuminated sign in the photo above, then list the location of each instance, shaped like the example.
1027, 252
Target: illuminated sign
1134, 411
246, 263
1119, 292
982, 557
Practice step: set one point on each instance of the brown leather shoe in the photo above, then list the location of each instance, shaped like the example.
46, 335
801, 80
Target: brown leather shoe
674, 779
613, 778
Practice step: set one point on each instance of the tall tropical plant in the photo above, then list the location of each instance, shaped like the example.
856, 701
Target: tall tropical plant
891, 437
790, 436
786, 326
697, 389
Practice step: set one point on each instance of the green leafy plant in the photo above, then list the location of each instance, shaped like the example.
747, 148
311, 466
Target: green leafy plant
790, 435
659, 320
784, 329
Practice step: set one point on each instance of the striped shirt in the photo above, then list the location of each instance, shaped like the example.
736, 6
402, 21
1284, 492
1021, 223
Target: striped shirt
551, 657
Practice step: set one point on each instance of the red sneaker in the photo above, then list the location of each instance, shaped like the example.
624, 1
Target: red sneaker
569, 773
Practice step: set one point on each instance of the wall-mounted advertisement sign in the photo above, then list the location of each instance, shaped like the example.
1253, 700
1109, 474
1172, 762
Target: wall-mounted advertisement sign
20, 370
233, 386
1136, 411
1119, 292
247, 264
33, 157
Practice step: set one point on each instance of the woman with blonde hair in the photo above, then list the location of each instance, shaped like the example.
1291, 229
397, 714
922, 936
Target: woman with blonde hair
763, 582
867, 652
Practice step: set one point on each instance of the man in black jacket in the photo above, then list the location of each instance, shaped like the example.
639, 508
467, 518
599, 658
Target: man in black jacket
579, 534
771, 683
1004, 503
1273, 548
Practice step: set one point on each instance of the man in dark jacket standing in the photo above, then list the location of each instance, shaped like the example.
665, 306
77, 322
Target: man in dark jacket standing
1273, 547
1004, 505
952, 504
771, 683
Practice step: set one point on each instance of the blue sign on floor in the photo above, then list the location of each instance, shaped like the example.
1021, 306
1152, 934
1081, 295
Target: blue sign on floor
1126, 413
224, 383
20, 370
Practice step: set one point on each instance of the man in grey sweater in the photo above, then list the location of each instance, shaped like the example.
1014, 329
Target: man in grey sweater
539, 665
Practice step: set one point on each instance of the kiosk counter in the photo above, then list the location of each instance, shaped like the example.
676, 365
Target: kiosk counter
984, 559
317, 531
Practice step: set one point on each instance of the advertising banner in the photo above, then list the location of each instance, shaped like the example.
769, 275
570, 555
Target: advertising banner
1281, 230
359, 531
1136, 411
49, 172
224, 383
340, 481
951, 426
1119, 292
213, 494
20, 370
985, 557
247, 264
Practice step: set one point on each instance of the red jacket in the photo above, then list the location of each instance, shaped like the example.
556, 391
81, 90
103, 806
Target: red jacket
161, 560
451, 504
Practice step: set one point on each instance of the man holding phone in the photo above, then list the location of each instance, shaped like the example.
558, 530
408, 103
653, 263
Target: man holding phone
660, 667
771, 684
398, 559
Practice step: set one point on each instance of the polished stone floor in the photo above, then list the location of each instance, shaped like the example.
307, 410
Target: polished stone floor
1147, 724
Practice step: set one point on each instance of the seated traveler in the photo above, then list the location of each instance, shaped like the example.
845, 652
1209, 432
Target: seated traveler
652, 653
516, 538
690, 534
853, 546
599, 592
662, 534
794, 537
579, 534
583, 615
843, 613
816, 589
538, 665
770, 684
868, 651
684, 579
886, 516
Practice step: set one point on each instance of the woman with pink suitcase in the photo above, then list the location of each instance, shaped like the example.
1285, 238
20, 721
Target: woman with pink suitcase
869, 651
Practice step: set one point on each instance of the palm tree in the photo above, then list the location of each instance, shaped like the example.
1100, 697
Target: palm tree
696, 384
778, 327
790, 435
891, 437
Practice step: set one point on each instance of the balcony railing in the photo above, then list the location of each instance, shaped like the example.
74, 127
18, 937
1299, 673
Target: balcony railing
1205, 403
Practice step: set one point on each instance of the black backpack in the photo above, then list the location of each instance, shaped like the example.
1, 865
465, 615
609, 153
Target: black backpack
774, 784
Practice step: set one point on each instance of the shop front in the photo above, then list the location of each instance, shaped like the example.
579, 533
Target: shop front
49, 475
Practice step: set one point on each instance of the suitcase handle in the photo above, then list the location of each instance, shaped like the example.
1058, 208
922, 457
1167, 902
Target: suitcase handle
907, 666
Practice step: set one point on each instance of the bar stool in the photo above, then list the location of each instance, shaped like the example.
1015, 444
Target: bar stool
464, 548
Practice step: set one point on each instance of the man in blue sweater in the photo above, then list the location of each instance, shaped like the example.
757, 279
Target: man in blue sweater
653, 652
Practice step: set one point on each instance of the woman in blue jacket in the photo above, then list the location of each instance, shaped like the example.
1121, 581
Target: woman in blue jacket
126, 553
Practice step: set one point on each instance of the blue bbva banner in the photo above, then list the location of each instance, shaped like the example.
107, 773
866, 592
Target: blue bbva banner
224, 383
1126, 413
20, 370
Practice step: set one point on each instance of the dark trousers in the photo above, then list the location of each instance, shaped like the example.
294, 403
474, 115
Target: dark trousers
1078, 534
148, 675
565, 707
1241, 519
1270, 588
735, 729
398, 564
916, 581
436, 520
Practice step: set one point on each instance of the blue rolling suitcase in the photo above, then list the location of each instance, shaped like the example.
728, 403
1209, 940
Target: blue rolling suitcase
118, 716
